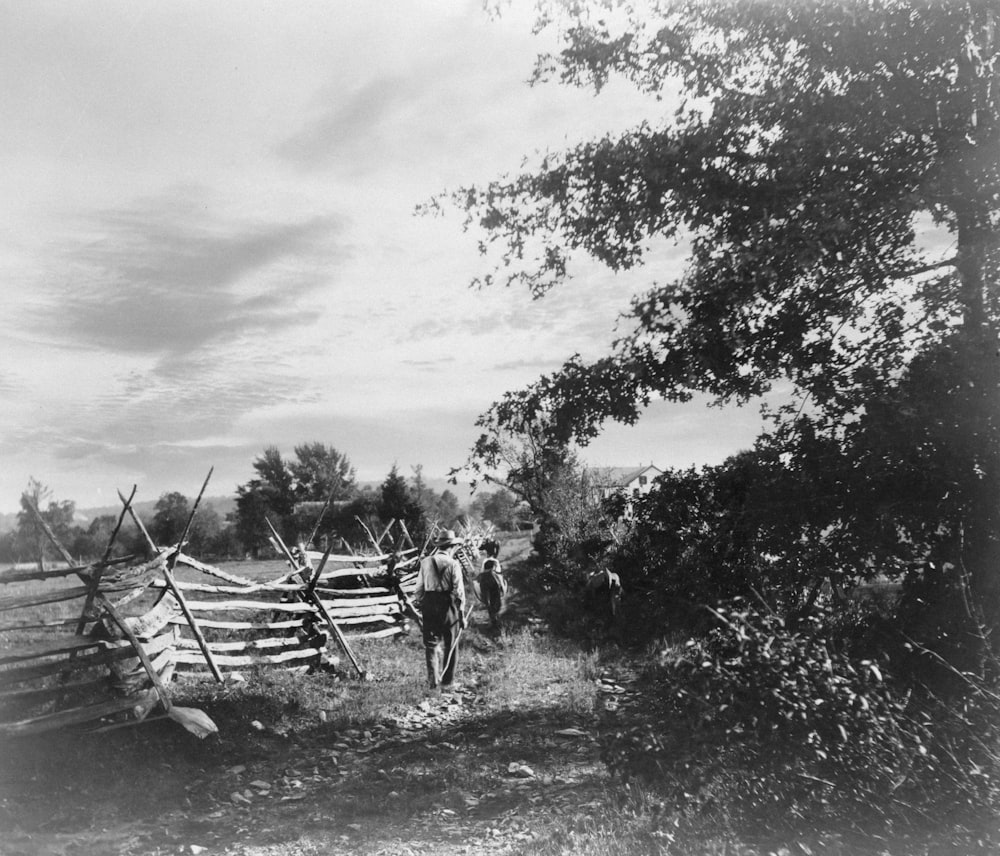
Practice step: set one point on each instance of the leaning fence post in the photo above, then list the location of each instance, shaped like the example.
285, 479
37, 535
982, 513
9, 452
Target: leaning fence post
161, 690
172, 583
99, 571
313, 598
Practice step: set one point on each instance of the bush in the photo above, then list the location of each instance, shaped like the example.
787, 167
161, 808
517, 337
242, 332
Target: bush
787, 728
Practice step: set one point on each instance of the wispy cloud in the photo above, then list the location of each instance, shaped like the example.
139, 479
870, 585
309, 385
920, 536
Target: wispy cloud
166, 276
539, 364
429, 364
350, 125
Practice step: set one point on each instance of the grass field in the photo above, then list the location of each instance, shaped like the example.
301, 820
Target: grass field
327, 763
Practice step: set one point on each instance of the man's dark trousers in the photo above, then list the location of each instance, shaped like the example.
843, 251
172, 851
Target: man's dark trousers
441, 626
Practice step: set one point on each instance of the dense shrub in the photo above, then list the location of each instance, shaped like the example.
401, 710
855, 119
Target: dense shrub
786, 728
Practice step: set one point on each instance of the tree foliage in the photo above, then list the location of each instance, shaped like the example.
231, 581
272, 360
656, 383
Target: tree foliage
317, 472
398, 501
809, 146
31, 540
170, 516
499, 507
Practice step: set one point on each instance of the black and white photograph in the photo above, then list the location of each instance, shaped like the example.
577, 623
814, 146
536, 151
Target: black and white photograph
500, 427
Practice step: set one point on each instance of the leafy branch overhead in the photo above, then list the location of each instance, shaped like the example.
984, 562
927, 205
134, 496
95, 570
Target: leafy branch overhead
807, 147
833, 168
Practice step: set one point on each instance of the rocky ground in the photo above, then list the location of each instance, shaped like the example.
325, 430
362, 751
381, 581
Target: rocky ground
452, 773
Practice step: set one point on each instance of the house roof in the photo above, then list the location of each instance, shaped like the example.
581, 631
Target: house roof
619, 476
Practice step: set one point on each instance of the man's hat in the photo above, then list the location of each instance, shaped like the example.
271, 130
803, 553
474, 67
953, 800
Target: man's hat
446, 538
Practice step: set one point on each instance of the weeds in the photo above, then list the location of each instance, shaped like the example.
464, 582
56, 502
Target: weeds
542, 671
763, 727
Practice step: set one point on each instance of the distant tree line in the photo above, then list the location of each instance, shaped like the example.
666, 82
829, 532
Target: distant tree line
311, 496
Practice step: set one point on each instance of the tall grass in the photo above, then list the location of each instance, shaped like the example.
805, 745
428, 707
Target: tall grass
542, 671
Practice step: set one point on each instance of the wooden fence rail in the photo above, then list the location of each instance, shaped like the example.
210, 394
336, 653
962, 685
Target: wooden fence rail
140, 627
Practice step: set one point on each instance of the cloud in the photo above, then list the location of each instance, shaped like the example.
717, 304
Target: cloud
425, 365
446, 98
349, 126
165, 276
539, 364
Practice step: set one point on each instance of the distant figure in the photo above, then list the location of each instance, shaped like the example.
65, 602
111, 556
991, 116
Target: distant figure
440, 597
492, 589
491, 547
602, 593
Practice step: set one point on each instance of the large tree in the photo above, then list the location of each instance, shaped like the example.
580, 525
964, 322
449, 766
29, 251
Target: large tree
397, 501
169, 518
319, 472
31, 539
499, 508
809, 147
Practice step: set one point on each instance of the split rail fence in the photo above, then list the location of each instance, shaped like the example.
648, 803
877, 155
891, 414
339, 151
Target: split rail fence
135, 627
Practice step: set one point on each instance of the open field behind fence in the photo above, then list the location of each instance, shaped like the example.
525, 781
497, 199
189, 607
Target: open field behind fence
100, 643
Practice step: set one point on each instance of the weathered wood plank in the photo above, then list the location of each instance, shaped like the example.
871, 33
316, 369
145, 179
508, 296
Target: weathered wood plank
338, 603
374, 571
294, 667
165, 642
211, 570
21, 601
242, 645
168, 574
389, 631
39, 625
49, 721
95, 580
36, 695
128, 597
233, 605
243, 625
134, 576
49, 648
23, 575
369, 619
145, 626
108, 607
195, 658
346, 559
135, 678
372, 591
350, 611
110, 652
311, 597
253, 588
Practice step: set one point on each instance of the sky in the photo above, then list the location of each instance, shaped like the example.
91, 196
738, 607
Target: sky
208, 242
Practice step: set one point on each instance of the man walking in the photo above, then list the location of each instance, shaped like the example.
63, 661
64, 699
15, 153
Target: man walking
440, 595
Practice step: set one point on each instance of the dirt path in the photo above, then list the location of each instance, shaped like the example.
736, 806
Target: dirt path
440, 778
449, 774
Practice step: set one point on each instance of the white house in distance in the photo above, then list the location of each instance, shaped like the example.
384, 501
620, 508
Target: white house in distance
628, 481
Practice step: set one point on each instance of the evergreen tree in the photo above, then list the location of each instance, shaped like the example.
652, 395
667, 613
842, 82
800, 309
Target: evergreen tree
397, 502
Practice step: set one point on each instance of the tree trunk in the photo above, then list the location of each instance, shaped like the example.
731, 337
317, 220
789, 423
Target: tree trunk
979, 425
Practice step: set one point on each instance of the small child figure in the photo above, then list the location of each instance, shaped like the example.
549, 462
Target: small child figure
492, 587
